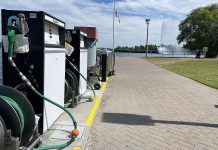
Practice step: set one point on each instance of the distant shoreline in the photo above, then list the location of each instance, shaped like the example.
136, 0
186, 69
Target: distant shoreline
135, 51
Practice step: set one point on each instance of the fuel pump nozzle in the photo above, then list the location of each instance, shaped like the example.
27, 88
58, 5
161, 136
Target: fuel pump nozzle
17, 42
12, 30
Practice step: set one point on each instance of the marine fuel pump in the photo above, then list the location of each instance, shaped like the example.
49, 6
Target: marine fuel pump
34, 51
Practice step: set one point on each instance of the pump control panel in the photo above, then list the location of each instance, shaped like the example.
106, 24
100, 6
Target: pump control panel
51, 34
52, 30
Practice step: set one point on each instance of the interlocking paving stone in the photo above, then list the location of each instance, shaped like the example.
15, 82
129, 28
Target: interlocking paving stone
146, 107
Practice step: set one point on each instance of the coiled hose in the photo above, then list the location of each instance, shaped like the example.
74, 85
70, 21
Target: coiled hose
72, 65
17, 109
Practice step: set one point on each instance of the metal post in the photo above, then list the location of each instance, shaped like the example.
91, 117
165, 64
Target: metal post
147, 22
104, 67
113, 36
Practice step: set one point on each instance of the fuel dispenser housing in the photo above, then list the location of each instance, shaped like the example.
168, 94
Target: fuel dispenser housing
79, 56
43, 63
93, 64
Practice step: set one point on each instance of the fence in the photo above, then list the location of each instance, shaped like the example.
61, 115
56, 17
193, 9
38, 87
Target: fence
178, 54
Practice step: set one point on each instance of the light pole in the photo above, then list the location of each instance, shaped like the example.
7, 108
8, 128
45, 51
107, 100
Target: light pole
113, 67
147, 22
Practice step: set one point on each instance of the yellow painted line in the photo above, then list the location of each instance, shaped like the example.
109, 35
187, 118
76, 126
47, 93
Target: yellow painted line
104, 85
95, 107
77, 148
93, 112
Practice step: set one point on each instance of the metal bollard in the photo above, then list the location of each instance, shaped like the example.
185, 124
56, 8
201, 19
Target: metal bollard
103, 67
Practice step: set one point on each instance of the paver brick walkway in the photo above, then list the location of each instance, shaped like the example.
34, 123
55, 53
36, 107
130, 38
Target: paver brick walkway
147, 107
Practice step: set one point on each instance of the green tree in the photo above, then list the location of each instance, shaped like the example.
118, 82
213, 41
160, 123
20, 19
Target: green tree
141, 47
200, 29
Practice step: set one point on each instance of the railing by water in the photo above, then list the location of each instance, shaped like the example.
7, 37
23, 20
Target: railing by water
178, 54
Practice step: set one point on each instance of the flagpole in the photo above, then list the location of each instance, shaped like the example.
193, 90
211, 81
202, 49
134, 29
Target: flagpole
113, 36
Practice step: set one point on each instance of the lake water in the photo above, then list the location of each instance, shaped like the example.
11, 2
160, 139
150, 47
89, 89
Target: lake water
173, 55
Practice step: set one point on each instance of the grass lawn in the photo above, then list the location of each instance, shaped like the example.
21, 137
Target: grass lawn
202, 70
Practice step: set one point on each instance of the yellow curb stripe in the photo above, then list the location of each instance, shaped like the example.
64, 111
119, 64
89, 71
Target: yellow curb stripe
77, 148
104, 85
93, 112
95, 107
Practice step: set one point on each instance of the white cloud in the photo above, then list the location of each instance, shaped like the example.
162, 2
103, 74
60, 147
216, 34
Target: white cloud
132, 29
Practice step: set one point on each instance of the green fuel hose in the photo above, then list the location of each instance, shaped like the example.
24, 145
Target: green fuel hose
61, 146
56, 104
23, 77
71, 116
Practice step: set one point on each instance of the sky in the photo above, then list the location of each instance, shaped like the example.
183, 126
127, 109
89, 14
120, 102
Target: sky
131, 31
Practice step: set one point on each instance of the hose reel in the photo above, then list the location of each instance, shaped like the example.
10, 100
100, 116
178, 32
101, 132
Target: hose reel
71, 88
75, 80
17, 113
2, 133
66, 89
